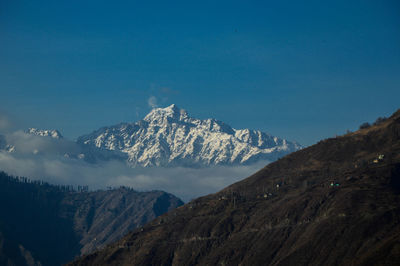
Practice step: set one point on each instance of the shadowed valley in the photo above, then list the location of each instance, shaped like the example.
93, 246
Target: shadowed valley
42, 224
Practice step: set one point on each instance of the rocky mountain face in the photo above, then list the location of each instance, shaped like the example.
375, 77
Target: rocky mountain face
42, 224
170, 137
334, 203
166, 137
102, 217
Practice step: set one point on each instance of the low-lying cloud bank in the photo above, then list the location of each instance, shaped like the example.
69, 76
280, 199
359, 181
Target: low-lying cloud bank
45, 158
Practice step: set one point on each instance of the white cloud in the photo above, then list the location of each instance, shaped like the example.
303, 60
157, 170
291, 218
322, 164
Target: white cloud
5, 123
152, 102
186, 183
25, 143
50, 164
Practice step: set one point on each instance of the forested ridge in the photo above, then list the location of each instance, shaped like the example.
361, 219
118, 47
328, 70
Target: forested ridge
51, 224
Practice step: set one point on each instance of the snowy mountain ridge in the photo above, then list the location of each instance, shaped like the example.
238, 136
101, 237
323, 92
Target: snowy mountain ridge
170, 137
45, 133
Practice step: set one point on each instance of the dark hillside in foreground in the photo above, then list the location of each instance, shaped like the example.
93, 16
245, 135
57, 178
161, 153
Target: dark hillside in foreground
334, 203
53, 224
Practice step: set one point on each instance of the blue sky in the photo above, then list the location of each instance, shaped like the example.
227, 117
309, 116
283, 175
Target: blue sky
299, 71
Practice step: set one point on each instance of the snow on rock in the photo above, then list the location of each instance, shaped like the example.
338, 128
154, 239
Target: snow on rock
45, 133
170, 137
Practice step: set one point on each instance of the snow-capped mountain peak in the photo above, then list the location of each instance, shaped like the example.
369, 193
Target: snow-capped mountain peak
171, 113
45, 133
170, 137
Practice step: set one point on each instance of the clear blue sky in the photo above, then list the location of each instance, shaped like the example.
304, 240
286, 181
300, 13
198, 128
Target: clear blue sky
299, 71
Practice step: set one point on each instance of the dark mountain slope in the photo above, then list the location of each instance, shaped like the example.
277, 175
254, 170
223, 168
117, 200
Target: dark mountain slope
335, 203
52, 224
102, 217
